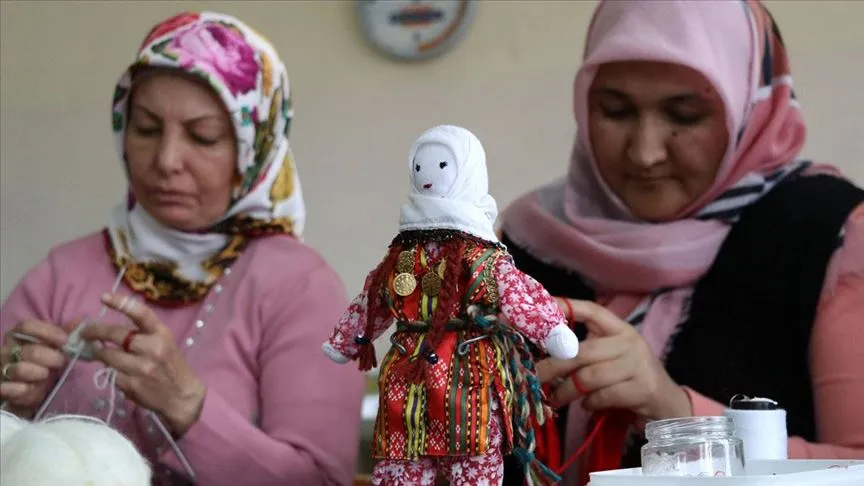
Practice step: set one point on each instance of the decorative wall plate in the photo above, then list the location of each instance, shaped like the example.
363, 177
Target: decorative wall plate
415, 30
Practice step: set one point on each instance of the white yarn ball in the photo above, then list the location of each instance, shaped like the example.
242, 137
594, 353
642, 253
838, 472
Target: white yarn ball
70, 450
9, 425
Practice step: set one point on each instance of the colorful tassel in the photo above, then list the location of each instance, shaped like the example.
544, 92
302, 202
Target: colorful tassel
530, 409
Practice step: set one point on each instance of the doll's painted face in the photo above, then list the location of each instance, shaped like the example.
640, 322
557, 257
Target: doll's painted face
435, 169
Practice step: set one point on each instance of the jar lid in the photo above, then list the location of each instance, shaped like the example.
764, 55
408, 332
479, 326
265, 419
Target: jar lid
743, 402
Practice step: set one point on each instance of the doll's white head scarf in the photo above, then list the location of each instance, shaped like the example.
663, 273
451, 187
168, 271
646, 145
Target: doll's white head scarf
466, 204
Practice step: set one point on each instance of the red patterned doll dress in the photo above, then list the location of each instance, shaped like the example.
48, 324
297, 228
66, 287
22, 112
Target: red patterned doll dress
457, 388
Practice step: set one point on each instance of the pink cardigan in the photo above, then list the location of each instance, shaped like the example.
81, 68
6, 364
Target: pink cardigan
277, 411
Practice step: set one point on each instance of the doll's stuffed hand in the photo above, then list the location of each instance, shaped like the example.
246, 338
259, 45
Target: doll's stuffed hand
334, 354
561, 343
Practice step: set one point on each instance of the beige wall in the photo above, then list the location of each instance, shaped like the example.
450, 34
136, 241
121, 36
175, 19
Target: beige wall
356, 112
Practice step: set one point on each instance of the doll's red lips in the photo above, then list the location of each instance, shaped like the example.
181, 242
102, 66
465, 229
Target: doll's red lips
427, 186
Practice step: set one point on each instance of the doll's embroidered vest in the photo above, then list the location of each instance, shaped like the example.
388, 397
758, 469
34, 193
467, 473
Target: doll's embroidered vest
415, 283
751, 315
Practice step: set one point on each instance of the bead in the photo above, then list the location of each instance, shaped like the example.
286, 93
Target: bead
227, 272
189, 342
199, 323
432, 358
100, 404
208, 308
217, 288
360, 340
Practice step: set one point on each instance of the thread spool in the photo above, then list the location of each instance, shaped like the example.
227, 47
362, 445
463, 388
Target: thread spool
761, 425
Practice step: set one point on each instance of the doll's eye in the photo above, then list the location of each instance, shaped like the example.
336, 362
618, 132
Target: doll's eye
442, 164
417, 167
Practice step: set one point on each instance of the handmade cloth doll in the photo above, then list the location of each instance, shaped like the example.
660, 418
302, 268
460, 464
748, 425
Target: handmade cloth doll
457, 387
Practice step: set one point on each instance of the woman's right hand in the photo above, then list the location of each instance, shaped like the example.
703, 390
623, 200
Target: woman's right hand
28, 370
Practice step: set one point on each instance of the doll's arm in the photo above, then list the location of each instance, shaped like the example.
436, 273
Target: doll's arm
529, 308
342, 347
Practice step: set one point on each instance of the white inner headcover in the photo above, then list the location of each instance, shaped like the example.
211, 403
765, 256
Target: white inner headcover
449, 185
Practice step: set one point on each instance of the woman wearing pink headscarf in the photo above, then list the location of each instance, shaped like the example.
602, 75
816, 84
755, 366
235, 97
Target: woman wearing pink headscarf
699, 254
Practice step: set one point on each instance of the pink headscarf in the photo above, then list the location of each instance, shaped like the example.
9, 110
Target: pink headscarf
581, 225
578, 223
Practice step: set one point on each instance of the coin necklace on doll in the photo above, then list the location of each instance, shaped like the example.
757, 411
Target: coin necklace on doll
405, 281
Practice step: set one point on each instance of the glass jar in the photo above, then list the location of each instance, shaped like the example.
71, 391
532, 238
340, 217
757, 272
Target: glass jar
692, 446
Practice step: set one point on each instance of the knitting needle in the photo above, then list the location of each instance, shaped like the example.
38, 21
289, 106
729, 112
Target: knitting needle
77, 354
20, 336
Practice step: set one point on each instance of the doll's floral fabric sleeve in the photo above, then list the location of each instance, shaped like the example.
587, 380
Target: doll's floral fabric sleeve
353, 323
526, 305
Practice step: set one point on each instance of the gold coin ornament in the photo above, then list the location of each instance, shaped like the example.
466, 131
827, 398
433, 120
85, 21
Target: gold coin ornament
406, 262
404, 284
431, 284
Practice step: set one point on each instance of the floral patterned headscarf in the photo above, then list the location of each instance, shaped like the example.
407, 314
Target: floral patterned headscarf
243, 68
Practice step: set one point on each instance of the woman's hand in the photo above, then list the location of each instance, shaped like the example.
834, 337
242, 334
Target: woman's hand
28, 369
614, 369
150, 368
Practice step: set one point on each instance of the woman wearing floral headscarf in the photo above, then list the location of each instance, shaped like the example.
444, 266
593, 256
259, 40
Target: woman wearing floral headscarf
216, 324
699, 254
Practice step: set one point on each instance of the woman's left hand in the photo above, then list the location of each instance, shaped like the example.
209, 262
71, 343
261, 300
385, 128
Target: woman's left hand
615, 368
151, 370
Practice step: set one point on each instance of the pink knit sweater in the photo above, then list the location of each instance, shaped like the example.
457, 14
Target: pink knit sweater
277, 411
